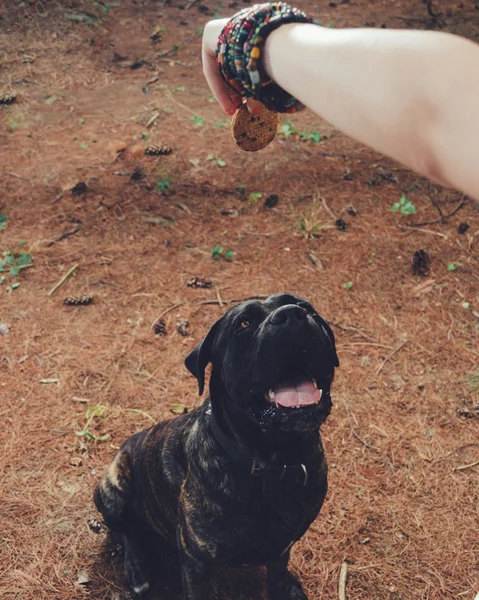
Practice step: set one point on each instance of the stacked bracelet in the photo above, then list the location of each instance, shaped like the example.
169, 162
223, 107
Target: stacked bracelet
240, 48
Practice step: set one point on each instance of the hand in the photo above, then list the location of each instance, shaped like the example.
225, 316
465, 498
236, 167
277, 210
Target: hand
228, 99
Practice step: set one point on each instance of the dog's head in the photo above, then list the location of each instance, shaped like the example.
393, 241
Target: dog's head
273, 362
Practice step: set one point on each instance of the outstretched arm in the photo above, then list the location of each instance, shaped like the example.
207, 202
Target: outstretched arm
412, 95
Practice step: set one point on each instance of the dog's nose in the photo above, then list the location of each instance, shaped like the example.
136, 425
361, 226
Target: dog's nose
288, 315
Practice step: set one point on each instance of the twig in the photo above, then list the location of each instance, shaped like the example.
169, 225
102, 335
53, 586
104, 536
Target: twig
469, 466
221, 303
347, 344
442, 218
234, 301
190, 4
435, 204
389, 356
183, 106
412, 228
167, 310
317, 262
62, 280
15, 175
151, 120
343, 573
323, 201
63, 236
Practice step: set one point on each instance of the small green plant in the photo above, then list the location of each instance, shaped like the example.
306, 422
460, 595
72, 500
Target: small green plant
220, 252
474, 379
348, 285
220, 163
255, 196
106, 6
3, 221
199, 31
287, 129
180, 88
163, 184
197, 120
94, 417
404, 206
84, 146
175, 47
314, 136
452, 266
81, 121
13, 261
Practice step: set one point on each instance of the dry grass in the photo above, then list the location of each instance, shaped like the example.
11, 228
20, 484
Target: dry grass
402, 510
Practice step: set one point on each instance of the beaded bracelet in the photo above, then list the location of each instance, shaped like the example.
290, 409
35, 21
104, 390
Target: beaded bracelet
239, 50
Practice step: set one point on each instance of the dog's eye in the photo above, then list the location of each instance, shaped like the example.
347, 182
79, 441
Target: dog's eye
245, 324
307, 308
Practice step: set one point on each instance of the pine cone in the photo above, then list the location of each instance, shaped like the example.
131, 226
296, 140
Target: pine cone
157, 150
83, 300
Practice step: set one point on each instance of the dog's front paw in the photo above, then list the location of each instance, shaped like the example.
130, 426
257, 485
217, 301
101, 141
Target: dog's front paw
286, 588
136, 578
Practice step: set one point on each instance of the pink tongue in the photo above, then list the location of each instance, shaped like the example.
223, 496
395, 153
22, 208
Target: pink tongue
297, 395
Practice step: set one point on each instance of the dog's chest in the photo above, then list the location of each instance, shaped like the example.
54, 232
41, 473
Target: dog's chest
264, 519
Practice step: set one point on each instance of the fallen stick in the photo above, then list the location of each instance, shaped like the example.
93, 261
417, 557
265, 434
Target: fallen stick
167, 310
62, 280
342, 581
469, 466
389, 356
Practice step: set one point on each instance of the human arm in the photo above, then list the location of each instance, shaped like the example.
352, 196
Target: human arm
412, 95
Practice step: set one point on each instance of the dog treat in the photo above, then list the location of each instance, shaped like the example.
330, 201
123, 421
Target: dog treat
252, 133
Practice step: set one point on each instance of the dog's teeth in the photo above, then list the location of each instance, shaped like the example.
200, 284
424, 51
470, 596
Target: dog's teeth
271, 394
315, 384
320, 394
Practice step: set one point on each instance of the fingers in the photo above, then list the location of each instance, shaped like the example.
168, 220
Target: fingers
228, 99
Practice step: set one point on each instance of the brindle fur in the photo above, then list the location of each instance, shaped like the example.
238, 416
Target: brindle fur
175, 481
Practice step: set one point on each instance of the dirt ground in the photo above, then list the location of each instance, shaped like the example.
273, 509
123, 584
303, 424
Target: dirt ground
92, 91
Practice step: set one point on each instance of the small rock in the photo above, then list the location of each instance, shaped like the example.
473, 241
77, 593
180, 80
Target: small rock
116, 146
76, 461
4, 329
462, 228
83, 578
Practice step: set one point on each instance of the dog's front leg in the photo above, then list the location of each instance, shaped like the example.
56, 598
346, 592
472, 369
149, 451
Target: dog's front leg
194, 573
283, 585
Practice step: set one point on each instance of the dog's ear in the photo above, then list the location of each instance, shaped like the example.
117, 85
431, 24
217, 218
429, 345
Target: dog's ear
198, 359
332, 343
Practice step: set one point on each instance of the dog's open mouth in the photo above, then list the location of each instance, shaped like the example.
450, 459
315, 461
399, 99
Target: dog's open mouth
295, 393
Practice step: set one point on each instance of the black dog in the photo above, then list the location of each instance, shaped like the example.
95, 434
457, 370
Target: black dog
238, 480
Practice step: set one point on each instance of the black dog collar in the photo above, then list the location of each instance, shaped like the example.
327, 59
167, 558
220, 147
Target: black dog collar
243, 457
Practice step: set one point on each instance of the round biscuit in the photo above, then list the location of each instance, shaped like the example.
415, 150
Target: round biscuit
253, 133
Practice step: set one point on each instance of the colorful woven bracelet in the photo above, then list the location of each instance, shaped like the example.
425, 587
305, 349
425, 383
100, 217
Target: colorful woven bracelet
240, 47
